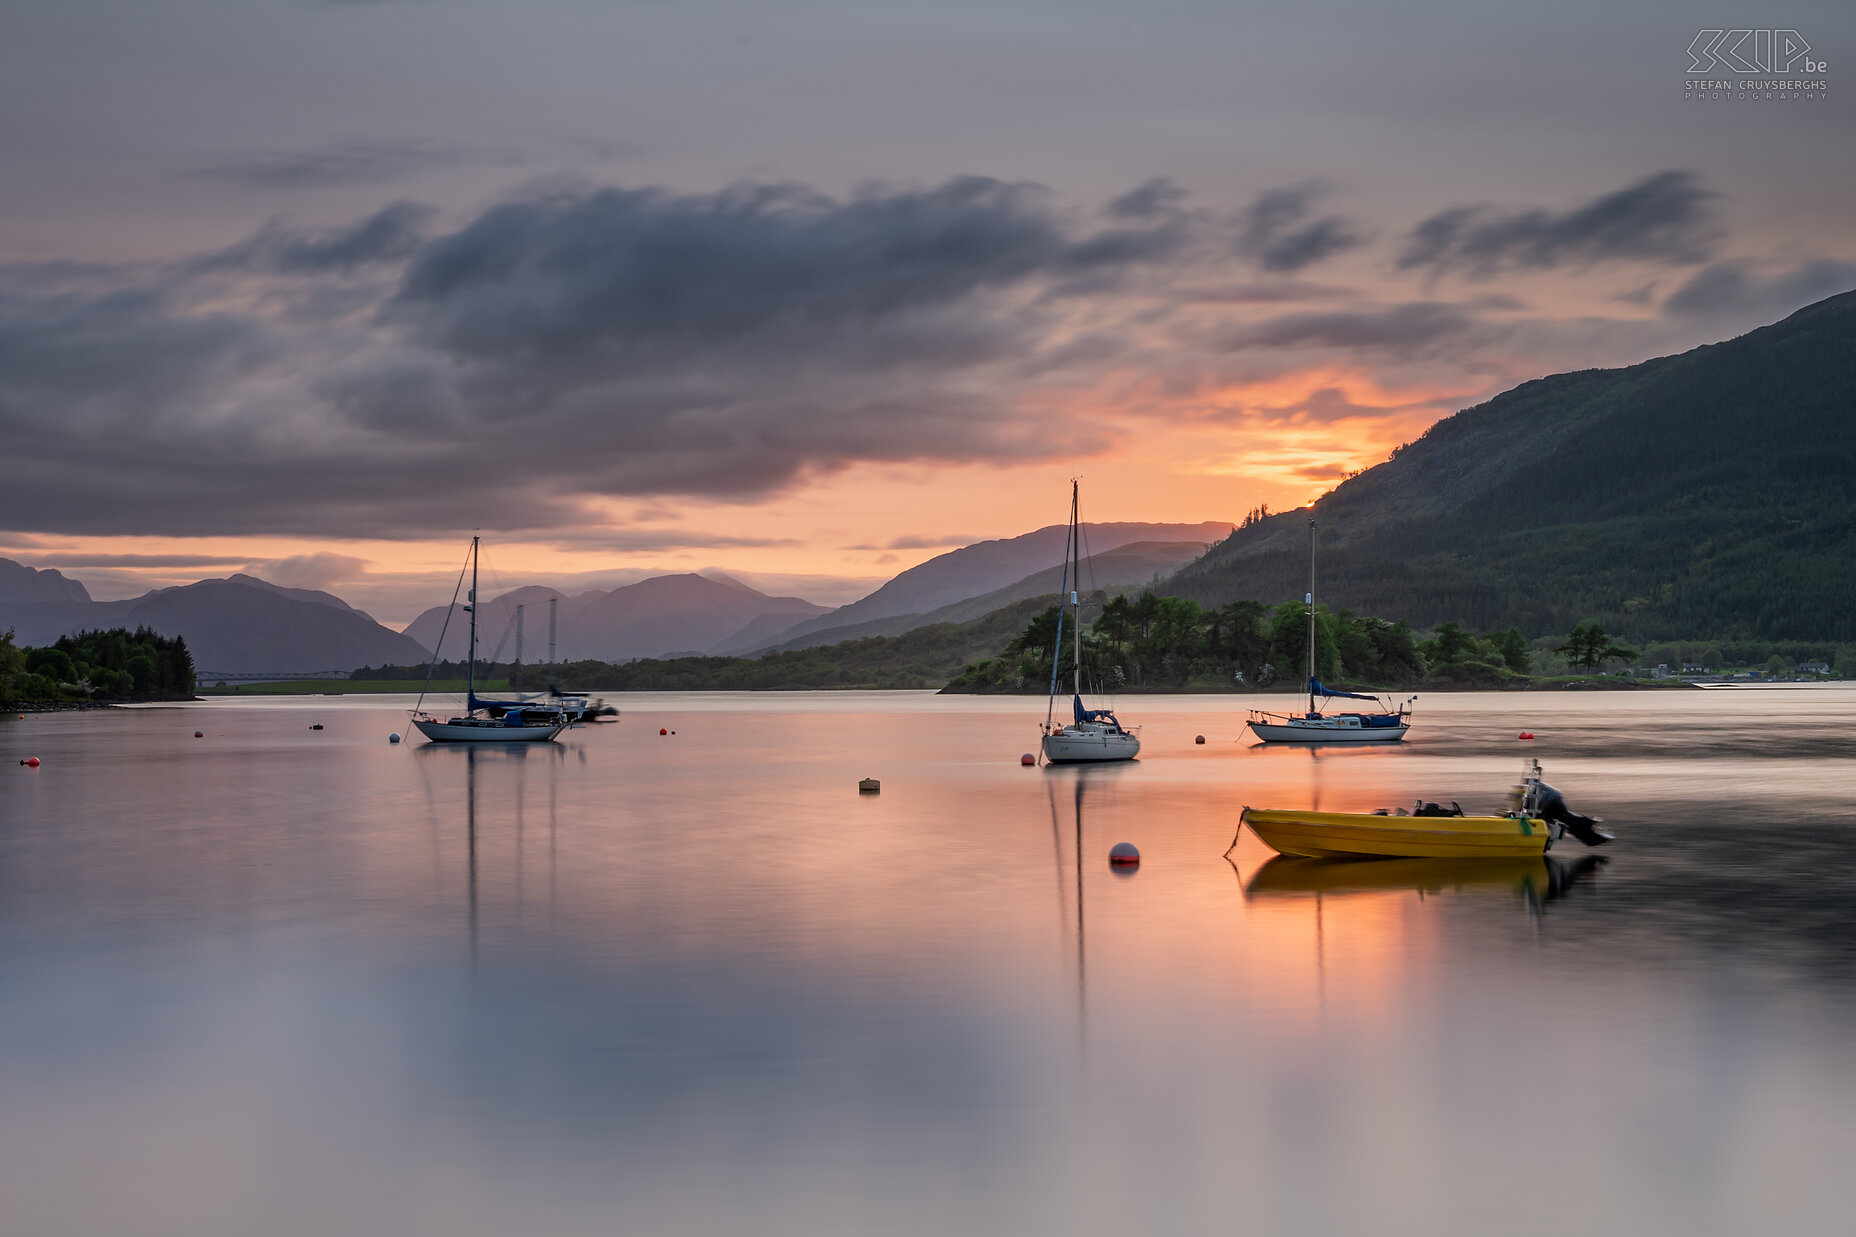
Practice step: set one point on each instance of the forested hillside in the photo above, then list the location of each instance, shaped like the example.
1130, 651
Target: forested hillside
1710, 495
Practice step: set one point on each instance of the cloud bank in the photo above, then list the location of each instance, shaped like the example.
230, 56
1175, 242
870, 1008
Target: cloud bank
401, 375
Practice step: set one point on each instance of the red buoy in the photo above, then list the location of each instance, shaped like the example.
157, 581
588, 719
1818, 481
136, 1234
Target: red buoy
1027, 759
661, 730
1123, 853
31, 760
199, 734
1199, 739
1526, 734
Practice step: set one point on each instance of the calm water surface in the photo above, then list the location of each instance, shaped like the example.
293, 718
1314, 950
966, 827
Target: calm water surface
285, 981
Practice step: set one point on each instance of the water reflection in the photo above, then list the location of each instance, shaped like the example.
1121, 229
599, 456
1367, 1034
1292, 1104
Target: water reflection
1085, 780
1533, 880
269, 982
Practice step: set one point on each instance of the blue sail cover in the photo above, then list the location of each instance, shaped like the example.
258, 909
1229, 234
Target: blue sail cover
1090, 715
1315, 689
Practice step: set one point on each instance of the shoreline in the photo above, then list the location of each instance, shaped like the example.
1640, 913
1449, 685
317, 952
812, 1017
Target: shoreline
1519, 685
84, 706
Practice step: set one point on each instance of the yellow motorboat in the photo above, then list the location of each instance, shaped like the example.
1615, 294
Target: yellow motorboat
1323, 835
1537, 815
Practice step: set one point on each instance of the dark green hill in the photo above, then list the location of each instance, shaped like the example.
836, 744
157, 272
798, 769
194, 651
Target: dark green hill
1706, 495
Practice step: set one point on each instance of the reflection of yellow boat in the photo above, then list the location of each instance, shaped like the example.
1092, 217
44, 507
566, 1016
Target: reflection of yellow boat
1319, 835
1285, 875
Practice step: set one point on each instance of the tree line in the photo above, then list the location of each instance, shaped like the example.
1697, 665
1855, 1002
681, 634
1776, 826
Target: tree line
1175, 642
117, 664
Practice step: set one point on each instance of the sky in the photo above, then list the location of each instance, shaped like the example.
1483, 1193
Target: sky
809, 292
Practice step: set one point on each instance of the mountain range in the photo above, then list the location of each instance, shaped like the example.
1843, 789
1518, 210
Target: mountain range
1004, 570
237, 625
658, 617
1706, 495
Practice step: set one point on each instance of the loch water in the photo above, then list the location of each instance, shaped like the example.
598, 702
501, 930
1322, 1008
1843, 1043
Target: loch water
289, 981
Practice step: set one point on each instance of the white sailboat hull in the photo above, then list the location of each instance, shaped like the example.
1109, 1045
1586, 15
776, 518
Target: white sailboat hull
1090, 744
472, 730
1323, 730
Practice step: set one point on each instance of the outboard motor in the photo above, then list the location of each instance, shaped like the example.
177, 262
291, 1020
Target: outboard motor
1549, 805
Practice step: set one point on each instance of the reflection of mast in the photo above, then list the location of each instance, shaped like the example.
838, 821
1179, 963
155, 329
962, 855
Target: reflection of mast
521, 789
1082, 1005
470, 834
1056, 844
554, 779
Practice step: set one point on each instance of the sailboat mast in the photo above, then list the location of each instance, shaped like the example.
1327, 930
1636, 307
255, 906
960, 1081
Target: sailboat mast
1311, 614
554, 608
470, 671
518, 683
1076, 580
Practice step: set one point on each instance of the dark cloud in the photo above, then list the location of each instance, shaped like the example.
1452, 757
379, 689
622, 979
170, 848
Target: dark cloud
1157, 197
391, 234
1666, 218
1737, 289
586, 275
85, 361
343, 164
1416, 325
1278, 234
573, 342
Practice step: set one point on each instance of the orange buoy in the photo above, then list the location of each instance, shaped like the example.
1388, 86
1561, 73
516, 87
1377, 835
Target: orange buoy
1027, 759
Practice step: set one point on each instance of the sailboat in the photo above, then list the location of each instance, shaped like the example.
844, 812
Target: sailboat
577, 706
484, 721
1383, 725
1092, 735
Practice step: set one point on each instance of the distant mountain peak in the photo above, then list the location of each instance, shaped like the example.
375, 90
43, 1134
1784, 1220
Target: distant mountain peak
34, 586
